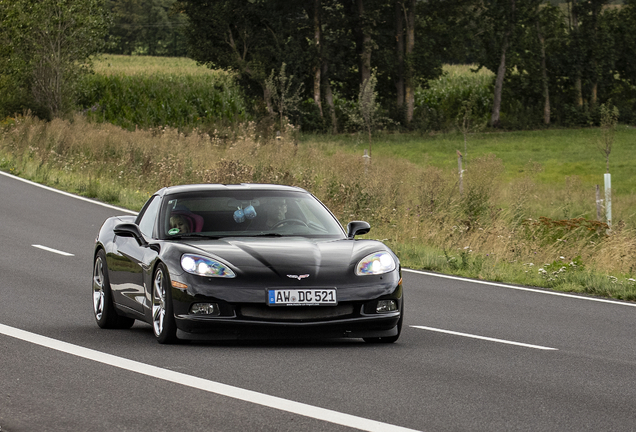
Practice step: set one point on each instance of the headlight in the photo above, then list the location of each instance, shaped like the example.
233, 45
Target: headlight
201, 266
375, 264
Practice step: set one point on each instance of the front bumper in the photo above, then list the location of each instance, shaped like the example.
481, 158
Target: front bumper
353, 319
248, 330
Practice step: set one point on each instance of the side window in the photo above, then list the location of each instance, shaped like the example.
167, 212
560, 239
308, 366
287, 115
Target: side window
147, 222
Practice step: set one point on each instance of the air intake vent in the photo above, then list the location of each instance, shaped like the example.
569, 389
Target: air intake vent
296, 313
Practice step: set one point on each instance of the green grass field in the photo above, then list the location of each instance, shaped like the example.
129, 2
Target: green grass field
561, 152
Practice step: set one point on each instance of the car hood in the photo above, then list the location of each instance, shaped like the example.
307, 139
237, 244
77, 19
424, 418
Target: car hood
290, 255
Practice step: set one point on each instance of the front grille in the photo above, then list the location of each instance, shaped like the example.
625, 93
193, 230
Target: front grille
295, 313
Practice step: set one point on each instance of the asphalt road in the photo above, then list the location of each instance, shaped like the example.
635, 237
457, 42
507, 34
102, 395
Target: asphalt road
472, 356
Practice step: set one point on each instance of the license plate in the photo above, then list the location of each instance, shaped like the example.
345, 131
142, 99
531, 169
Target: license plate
305, 297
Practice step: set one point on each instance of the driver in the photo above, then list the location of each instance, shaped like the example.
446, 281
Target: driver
276, 211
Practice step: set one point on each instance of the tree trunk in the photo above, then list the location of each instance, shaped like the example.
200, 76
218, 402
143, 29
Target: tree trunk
268, 99
501, 71
365, 43
399, 48
410, 45
317, 68
544, 76
578, 86
329, 96
594, 95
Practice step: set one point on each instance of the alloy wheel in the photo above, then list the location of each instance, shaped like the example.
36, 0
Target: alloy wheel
158, 302
98, 288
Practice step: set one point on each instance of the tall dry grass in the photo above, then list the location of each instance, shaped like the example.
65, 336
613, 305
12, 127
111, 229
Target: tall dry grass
417, 210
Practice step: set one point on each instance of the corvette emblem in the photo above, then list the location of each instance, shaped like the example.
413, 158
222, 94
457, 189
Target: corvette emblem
299, 277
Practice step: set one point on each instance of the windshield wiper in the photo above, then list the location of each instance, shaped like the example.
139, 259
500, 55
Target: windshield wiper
266, 235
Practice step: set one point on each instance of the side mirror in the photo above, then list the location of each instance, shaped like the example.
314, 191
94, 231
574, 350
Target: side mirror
130, 230
355, 228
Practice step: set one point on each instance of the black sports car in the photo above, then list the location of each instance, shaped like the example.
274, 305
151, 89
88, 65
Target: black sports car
244, 261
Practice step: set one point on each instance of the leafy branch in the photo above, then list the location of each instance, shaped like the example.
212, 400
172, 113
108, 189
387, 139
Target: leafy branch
609, 120
280, 89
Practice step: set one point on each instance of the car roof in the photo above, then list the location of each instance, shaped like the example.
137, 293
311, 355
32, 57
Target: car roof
231, 187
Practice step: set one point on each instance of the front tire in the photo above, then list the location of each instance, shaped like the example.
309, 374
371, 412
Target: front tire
103, 308
163, 323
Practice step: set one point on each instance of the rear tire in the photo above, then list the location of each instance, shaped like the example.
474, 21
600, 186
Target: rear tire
163, 323
103, 308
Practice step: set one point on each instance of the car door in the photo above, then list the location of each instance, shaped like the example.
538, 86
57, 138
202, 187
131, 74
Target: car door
130, 260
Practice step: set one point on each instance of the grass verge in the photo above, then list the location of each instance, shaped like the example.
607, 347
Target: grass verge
495, 230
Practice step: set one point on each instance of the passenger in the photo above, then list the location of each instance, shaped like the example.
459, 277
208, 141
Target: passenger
179, 222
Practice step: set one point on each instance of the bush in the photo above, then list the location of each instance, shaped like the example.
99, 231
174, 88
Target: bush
173, 100
437, 106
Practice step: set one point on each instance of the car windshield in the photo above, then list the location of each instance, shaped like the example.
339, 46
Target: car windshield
215, 214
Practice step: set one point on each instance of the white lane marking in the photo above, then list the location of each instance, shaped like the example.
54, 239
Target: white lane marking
485, 338
278, 403
53, 250
554, 293
68, 194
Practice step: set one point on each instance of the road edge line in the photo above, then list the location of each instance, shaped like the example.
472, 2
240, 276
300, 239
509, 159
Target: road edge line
68, 194
520, 288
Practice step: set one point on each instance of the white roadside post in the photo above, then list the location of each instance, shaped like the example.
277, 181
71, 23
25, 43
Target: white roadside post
461, 173
608, 200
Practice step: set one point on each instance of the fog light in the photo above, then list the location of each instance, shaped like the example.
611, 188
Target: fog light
386, 306
205, 309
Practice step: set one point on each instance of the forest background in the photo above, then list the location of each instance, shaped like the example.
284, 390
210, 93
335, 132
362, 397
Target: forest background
553, 62
286, 88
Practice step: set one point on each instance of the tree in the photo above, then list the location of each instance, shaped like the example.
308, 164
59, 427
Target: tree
152, 27
505, 26
405, 45
364, 24
367, 115
576, 49
332, 46
409, 89
49, 43
543, 36
316, 13
518, 42
249, 37
626, 44
544, 72
411, 40
283, 95
589, 48
126, 29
